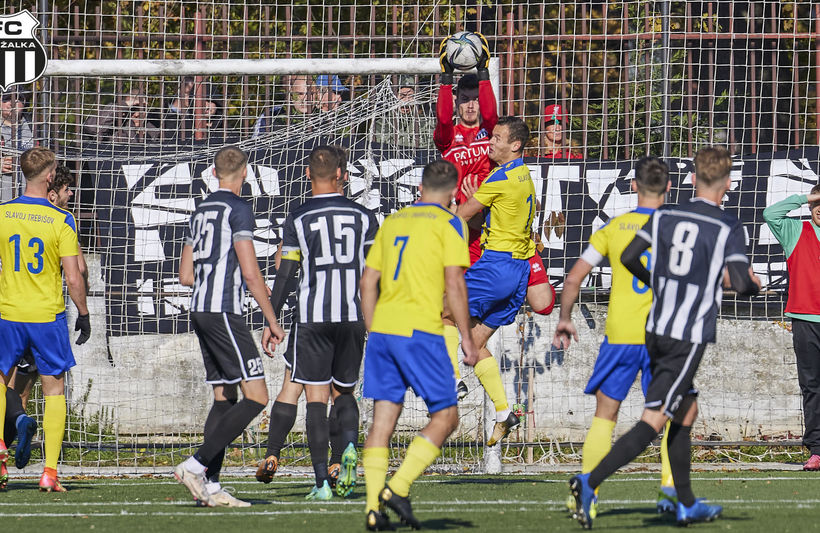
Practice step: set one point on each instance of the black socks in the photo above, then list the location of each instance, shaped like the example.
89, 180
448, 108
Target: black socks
679, 445
229, 426
282, 418
218, 409
628, 447
344, 425
318, 437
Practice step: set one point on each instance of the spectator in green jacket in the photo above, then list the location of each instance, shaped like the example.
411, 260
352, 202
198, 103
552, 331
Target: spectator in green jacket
800, 240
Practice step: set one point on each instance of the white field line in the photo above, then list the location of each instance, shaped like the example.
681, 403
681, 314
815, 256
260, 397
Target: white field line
438, 509
416, 503
101, 481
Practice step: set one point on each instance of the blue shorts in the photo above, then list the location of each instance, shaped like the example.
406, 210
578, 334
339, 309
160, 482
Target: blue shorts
617, 367
48, 341
496, 287
393, 363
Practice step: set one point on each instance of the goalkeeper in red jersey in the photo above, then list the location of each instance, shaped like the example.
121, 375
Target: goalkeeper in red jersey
466, 144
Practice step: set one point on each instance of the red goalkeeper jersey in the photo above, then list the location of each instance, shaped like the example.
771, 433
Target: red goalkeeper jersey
467, 148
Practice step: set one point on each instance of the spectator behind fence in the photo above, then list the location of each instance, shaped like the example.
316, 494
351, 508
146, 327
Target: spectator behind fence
412, 126
178, 120
15, 135
553, 142
800, 240
124, 121
301, 102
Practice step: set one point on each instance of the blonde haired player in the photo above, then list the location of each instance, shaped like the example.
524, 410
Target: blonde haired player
36, 240
623, 353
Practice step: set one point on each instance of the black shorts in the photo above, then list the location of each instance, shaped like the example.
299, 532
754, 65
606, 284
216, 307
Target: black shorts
27, 366
673, 364
228, 350
323, 352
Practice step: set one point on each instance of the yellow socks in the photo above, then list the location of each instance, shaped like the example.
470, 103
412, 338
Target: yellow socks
488, 374
2, 407
451, 339
666, 469
420, 454
374, 461
597, 444
54, 428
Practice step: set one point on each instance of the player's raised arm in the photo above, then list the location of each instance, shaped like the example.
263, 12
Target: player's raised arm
486, 97
443, 134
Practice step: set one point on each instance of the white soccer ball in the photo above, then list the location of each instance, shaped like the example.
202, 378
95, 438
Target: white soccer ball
463, 50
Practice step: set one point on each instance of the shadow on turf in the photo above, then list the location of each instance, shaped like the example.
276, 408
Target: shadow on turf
655, 519
446, 523
491, 481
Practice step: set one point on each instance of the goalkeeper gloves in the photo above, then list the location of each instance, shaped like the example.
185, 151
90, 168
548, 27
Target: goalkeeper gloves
483, 64
446, 77
83, 325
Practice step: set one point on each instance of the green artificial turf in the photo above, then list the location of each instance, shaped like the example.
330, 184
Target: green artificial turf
770, 502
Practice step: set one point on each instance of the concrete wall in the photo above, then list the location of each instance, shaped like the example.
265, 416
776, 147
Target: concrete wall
747, 380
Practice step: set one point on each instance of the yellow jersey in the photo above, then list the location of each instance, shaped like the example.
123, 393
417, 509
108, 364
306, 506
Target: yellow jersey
34, 235
509, 194
629, 299
411, 250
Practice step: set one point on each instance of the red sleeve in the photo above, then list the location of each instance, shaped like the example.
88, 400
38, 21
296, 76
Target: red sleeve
444, 132
487, 106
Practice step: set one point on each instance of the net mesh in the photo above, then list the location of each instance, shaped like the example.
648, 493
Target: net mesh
631, 80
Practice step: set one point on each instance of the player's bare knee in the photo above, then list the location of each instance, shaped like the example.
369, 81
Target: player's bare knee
655, 418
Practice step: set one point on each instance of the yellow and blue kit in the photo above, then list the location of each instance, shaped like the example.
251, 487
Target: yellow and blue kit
497, 282
34, 235
406, 346
623, 352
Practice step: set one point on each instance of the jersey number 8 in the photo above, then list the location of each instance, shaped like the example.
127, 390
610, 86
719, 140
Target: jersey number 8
683, 241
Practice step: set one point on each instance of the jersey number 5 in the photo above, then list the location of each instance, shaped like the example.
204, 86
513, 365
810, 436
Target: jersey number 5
203, 233
37, 245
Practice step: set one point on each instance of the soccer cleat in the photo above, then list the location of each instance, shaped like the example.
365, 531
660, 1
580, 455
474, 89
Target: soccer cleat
667, 500
570, 503
813, 464
50, 483
4, 472
223, 498
584, 499
322, 493
347, 476
333, 474
195, 483
267, 469
26, 428
502, 429
378, 521
700, 511
400, 505
461, 390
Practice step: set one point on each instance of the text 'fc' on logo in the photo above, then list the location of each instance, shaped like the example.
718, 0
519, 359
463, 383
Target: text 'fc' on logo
22, 56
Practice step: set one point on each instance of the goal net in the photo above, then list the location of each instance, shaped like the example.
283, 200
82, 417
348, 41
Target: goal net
139, 121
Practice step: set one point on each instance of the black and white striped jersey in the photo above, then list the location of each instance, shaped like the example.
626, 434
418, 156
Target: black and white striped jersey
691, 244
220, 220
328, 235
